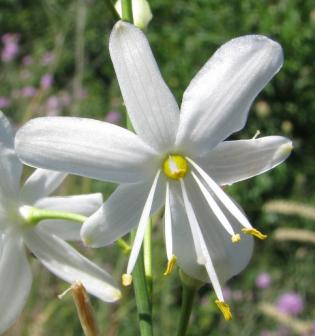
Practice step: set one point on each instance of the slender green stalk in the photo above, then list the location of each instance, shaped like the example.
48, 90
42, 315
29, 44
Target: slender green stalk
33, 216
111, 7
188, 295
126, 9
147, 251
144, 306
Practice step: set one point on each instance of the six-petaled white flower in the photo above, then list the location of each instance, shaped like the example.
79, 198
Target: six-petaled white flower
176, 159
45, 240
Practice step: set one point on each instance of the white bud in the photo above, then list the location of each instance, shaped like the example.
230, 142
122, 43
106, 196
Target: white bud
141, 12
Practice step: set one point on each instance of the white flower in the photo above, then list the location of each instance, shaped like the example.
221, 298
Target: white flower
176, 159
44, 240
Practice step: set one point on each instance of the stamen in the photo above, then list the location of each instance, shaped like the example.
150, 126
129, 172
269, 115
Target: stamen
175, 167
194, 227
223, 197
201, 244
126, 279
168, 224
236, 238
255, 232
214, 207
225, 309
142, 226
170, 265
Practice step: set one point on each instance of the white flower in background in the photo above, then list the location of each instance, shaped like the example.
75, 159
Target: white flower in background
176, 159
141, 12
44, 240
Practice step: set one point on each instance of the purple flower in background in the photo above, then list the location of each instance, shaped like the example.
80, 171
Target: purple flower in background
46, 81
227, 293
48, 58
113, 117
263, 280
28, 91
290, 303
11, 47
53, 106
27, 60
4, 102
65, 99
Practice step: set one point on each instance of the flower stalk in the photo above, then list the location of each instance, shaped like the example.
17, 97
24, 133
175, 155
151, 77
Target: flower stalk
189, 289
33, 215
126, 7
147, 255
144, 304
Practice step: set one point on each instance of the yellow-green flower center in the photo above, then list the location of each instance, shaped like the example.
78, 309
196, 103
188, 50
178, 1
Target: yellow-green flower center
175, 167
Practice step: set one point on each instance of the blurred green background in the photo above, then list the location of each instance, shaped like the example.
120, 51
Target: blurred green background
55, 61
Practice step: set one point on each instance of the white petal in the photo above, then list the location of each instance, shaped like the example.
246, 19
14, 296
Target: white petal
81, 204
217, 101
150, 104
68, 264
10, 165
15, 281
85, 147
120, 213
228, 259
233, 161
40, 184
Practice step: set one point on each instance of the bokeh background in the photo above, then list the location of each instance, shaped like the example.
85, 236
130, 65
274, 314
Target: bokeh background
54, 60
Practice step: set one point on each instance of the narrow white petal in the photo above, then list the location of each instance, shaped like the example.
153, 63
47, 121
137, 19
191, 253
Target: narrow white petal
68, 264
40, 184
86, 147
150, 104
81, 204
15, 281
120, 213
217, 101
214, 206
222, 196
10, 165
168, 224
234, 161
142, 226
201, 244
195, 230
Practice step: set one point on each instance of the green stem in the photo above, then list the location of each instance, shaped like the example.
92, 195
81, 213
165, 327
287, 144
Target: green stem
142, 298
33, 216
126, 9
143, 302
111, 7
188, 295
147, 252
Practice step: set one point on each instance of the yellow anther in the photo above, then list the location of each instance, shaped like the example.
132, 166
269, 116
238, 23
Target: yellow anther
236, 238
255, 232
170, 265
225, 310
126, 279
175, 167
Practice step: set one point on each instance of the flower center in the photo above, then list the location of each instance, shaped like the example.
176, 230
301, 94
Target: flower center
175, 167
